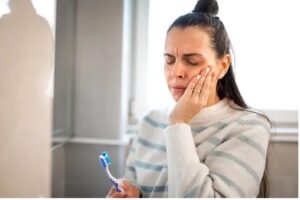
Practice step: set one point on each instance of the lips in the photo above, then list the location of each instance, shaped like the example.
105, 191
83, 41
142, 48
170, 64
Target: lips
177, 90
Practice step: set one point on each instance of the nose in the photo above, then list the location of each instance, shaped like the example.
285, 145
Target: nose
179, 70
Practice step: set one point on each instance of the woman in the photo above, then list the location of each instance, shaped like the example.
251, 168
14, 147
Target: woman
209, 144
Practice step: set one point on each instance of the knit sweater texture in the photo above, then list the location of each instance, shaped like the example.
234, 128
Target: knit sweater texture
220, 153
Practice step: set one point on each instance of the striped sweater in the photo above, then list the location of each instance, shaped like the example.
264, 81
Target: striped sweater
220, 153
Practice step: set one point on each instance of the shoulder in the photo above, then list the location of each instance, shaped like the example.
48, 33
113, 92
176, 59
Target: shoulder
252, 126
155, 119
247, 122
248, 118
255, 119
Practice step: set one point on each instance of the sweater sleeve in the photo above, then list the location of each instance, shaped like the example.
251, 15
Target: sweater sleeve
130, 171
232, 169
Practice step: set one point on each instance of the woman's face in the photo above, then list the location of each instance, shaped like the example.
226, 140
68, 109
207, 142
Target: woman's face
187, 52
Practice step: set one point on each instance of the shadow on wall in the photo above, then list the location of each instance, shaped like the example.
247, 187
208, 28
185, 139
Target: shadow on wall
26, 56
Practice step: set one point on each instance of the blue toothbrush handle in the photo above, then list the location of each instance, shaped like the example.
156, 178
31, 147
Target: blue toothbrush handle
104, 162
117, 186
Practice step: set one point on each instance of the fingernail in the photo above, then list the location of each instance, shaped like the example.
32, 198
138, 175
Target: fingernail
207, 70
198, 77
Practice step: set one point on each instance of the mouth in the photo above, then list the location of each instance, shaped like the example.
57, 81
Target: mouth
177, 90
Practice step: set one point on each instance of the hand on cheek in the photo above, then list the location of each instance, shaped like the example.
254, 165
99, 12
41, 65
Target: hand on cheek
194, 98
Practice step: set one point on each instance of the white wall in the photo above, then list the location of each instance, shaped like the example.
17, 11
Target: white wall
98, 97
98, 72
26, 55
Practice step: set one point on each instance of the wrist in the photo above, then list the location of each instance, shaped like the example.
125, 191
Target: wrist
178, 119
173, 122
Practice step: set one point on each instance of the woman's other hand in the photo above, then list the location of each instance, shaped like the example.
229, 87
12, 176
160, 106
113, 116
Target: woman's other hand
194, 98
130, 191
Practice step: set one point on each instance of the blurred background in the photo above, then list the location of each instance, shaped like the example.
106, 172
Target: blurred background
76, 77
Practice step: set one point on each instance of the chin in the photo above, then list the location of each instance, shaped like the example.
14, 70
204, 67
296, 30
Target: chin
176, 97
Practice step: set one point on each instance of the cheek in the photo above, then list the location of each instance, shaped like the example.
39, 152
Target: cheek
167, 73
195, 72
216, 68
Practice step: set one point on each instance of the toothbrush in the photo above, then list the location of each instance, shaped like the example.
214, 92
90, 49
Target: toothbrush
105, 162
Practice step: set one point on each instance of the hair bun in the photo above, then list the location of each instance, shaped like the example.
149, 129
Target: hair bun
209, 7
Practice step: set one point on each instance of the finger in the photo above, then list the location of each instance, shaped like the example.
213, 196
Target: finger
111, 191
131, 190
189, 90
198, 86
191, 86
125, 185
117, 195
205, 91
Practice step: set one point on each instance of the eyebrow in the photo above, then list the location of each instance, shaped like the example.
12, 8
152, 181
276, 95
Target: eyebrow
167, 54
186, 55
193, 54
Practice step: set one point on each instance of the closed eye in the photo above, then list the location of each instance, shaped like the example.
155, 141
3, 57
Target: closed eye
193, 60
169, 59
193, 63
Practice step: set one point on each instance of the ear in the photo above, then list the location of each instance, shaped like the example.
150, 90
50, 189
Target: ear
224, 65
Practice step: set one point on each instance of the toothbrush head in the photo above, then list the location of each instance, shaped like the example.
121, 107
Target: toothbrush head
104, 159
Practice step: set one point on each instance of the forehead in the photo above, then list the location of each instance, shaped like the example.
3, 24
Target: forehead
187, 40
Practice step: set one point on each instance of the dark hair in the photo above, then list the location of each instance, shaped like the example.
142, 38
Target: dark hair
204, 16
